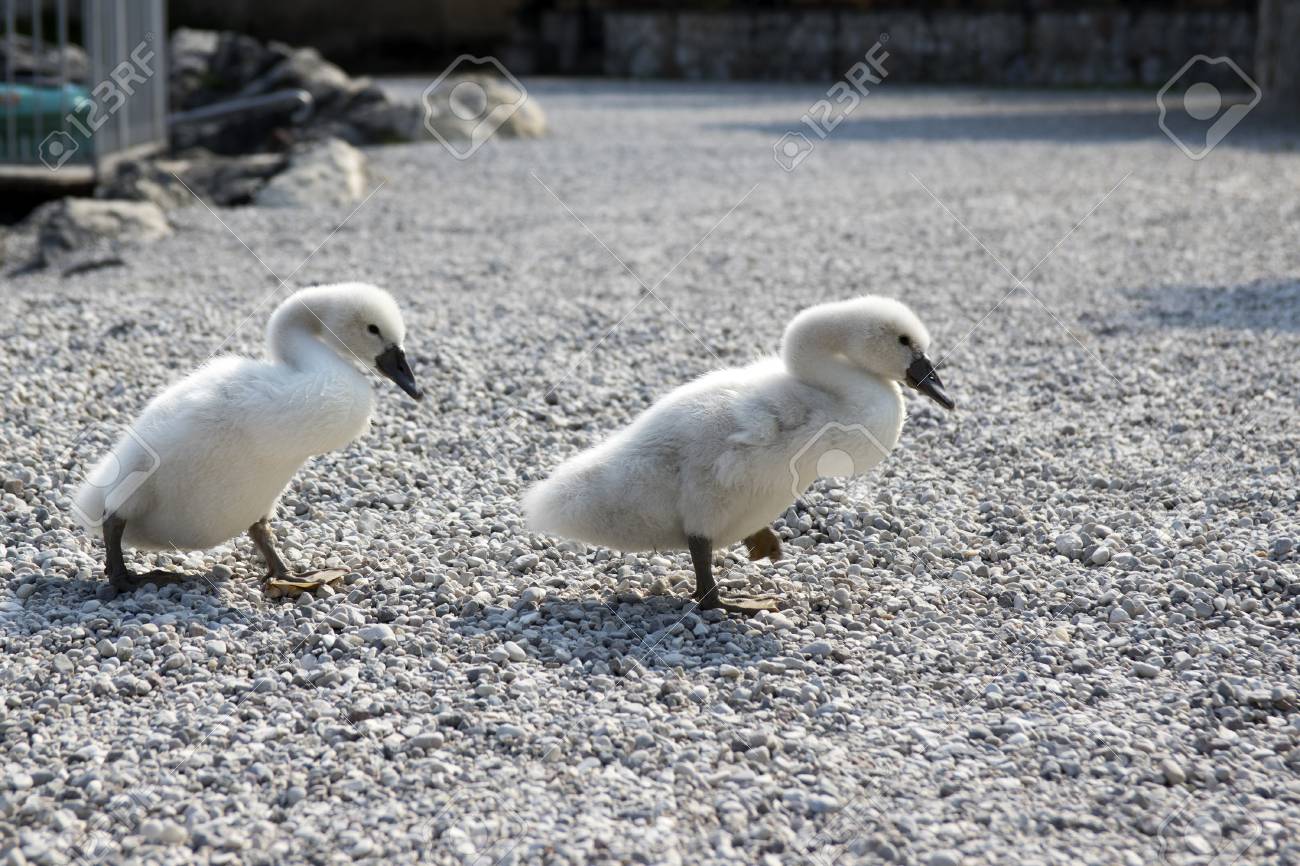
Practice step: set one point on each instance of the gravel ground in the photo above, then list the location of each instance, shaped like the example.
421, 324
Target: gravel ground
1057, 626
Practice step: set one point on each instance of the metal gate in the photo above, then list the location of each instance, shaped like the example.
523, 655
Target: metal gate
84, 84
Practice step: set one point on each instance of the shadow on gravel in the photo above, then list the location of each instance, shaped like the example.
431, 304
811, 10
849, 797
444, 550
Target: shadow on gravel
658, 632
1081, 125
1264, 305
59, 600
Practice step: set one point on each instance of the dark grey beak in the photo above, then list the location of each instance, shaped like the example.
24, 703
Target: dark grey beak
922, 377
392, 363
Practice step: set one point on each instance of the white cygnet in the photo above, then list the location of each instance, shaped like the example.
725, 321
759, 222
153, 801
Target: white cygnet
209, 457
717, 460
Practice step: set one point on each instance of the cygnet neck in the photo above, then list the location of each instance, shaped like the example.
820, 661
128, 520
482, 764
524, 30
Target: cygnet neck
292, 336
812, 351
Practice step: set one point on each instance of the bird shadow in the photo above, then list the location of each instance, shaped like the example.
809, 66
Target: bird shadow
56, 598
624, 628
1268, 304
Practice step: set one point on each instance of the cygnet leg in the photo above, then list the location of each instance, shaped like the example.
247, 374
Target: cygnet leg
706, 588
260, 532
763, 543
279, 581
121, 577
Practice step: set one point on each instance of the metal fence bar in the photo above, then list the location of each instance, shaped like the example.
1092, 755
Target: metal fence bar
159, 79
11, 46
48, 117
63, 64
91, 29
38, 48
119, 54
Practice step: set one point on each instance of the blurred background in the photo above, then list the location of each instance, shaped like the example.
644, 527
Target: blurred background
1014, 42
88, 86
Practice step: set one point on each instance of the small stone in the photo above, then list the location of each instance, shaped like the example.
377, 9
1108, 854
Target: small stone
509, 732
817, 648
514, 651
777, 620
820, 804
1119, 614
1146, 670
1174, 774
947, 857
426, 740
1069, 544
1100, 556
106, 648
377, 633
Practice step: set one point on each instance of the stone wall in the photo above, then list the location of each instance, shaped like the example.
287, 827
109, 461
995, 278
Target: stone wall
1097, 47
1277, 57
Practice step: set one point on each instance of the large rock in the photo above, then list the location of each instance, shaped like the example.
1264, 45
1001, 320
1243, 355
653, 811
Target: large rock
224, 181
76, 229
305, 69
211, 67
332, 172
458, 107
455, 110
48, 63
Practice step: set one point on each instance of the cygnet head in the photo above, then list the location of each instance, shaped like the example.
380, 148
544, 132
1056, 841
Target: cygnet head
360, 322
877, 335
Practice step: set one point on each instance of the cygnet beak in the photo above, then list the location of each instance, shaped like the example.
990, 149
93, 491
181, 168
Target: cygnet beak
922, 376
392, 363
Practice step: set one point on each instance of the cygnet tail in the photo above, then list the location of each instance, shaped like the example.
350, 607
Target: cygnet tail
88, 506
558, 506
116, 485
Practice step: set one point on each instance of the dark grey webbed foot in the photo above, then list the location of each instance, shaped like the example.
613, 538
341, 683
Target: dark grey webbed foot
279, 581
740, 604
706, 588
122, 578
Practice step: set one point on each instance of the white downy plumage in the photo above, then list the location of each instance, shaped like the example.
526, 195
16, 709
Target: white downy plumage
211, 454
721, 457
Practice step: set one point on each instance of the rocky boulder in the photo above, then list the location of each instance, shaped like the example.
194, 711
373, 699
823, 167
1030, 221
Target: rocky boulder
210, 67
224, 181
460, 106
71, 231
332, 172
47, 64
457, 110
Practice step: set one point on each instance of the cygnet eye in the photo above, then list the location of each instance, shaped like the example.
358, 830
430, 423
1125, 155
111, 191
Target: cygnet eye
374, 329
905, 340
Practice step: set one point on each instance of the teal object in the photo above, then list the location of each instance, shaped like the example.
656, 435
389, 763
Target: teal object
61, 112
